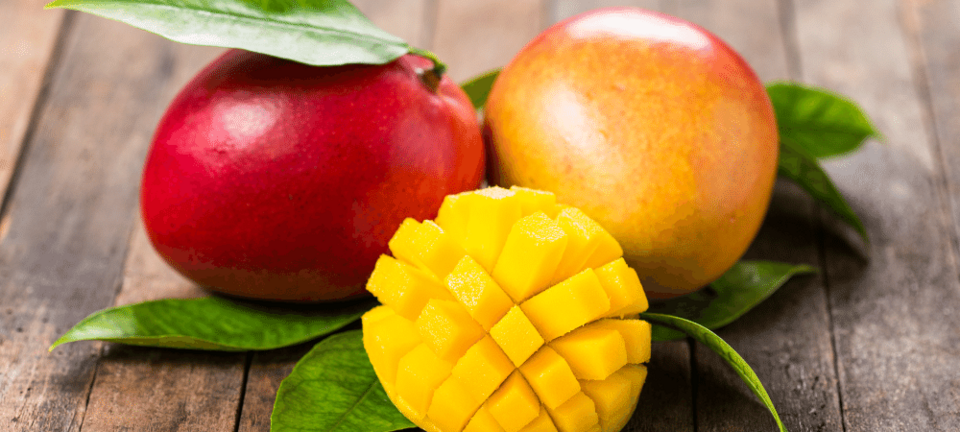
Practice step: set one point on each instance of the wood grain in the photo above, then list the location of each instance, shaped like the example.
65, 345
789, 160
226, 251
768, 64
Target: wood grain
71, 214
406, 19
26, 46
154, 389
934, 34
473, 37
894, 315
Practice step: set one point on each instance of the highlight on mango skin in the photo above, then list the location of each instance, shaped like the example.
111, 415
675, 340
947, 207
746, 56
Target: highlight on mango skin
509, 312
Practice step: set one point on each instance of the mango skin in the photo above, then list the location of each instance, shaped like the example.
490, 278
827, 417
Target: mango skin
275, 180
653, 127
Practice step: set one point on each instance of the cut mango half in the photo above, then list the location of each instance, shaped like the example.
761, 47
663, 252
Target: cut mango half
511, 313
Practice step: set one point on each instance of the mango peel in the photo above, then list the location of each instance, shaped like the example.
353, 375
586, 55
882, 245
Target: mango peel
510, 313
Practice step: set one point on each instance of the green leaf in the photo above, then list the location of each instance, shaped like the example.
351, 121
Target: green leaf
717, 345
817, 122
745, 285
804, 170
315, 32
212, 323
478, 87
334, 389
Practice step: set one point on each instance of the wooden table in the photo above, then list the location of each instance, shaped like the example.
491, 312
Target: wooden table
870, 344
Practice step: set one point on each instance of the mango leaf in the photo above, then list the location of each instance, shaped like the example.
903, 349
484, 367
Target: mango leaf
806, 172
334, 389
478, 87
817, 122
315, 32
719, 346
745, 285
212, 323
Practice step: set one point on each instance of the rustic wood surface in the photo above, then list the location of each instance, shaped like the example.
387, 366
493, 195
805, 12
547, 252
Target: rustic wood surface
871, 343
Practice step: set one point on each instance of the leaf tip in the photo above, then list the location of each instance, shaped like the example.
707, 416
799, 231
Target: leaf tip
57, 343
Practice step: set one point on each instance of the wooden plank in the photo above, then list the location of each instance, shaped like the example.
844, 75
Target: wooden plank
154, 389
796, 366
71, 214
473, 37
896, 334
933, 30
27, 44
408, 19
405, 19
666, 401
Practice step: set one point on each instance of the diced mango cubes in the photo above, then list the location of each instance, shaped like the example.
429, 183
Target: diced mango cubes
623, 288
532, 200
454, 214
578, 414
530, 256
476, 290
404, 288
511, 313
543, 423
452, 405
616, 396
493, 212
387, 338
592, 352
567, 305
483, 421
427, 246
483, 368
514, 405
584, 239
447, 329
550, 375
419, 373
516, 336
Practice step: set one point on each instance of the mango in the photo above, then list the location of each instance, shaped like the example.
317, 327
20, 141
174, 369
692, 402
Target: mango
511, 313
651, 125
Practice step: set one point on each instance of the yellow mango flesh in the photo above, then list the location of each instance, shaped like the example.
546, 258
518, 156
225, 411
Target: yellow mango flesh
419, 373
483, 421
578, 414
514, 405
517, 336
426, 246
454, 214
551, 377
532, 200
404, 288
567, 305
593, 353
483, 368
636, 336
493, 212
510, 313
622, 287
447, 328
543, 423
530, 256
477, 290
583, 236
452, 405
616, 396
387, 338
